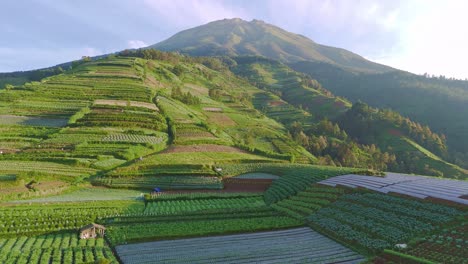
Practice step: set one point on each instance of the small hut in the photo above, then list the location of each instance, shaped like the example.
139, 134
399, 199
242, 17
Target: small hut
92, 231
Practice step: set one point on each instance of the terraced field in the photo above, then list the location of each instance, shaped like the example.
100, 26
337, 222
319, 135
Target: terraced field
415, 186
300, 245
54, 248
378, 221
224, 165
307, 202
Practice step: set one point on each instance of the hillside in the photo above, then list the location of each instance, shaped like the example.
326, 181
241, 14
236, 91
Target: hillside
437, 102
329, 125
121, 113
235, 37
441, 103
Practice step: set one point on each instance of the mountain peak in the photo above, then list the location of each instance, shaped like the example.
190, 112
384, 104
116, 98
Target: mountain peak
237, 37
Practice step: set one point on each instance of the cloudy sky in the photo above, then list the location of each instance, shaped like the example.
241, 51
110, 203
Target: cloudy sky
414, 35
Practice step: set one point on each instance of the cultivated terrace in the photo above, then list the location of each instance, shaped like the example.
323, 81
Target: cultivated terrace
180, 159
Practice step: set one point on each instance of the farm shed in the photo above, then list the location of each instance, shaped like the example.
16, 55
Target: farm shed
92, 231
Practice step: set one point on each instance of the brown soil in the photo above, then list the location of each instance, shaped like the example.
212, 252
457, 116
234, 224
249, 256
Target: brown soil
50, 185
235, 186
220, 119
7, 151
339, 104
202, 148
276, 103
198, 134
464, 197
125, 103
101, 72
395, 132
212, 109
246, 185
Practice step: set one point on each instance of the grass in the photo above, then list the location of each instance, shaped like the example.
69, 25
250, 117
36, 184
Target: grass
89, 194
32, 121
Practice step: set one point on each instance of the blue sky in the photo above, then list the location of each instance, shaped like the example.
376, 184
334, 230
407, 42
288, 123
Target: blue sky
414, 35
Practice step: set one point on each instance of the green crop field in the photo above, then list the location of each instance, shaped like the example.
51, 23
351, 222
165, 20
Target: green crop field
377, 221
54, 248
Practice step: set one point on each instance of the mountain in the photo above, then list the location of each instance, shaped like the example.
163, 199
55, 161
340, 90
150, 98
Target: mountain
233, 37
440, 103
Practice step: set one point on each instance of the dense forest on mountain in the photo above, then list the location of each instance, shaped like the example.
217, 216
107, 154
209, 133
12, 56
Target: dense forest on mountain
438, 102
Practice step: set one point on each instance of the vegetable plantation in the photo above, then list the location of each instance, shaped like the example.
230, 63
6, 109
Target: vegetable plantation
141, 131
54, 248
306, 202
181, 206
376, 221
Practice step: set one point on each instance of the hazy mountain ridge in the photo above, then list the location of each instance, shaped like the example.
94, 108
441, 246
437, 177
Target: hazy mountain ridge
234, 37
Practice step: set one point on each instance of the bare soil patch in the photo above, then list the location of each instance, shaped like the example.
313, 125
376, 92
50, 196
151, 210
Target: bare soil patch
276, 103
8, 151
202, 148
246, 185
102, 72
235, 186
220, 119
395, 132
212, 109
196, 89
126, 103
339, 104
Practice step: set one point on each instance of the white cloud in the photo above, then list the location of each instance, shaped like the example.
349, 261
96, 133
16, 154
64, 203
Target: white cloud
432, 40
136, 44
13, 59
186, 13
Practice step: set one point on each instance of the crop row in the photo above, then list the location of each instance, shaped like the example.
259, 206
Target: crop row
298, 180
307, 202
133, 138
157, 231
194, 195
179, 206
32, 220
164, 182
55, 249
419, 210
43, 167
358, 219
447, 246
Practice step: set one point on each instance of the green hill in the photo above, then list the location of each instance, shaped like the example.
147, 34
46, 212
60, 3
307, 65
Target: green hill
140, 117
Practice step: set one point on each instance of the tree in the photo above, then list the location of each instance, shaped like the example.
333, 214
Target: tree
9, 87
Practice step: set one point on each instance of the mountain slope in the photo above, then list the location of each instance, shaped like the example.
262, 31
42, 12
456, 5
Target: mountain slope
358, 132
437, 102
132, 122
233, 37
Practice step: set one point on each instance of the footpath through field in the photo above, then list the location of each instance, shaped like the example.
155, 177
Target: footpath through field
411, 185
